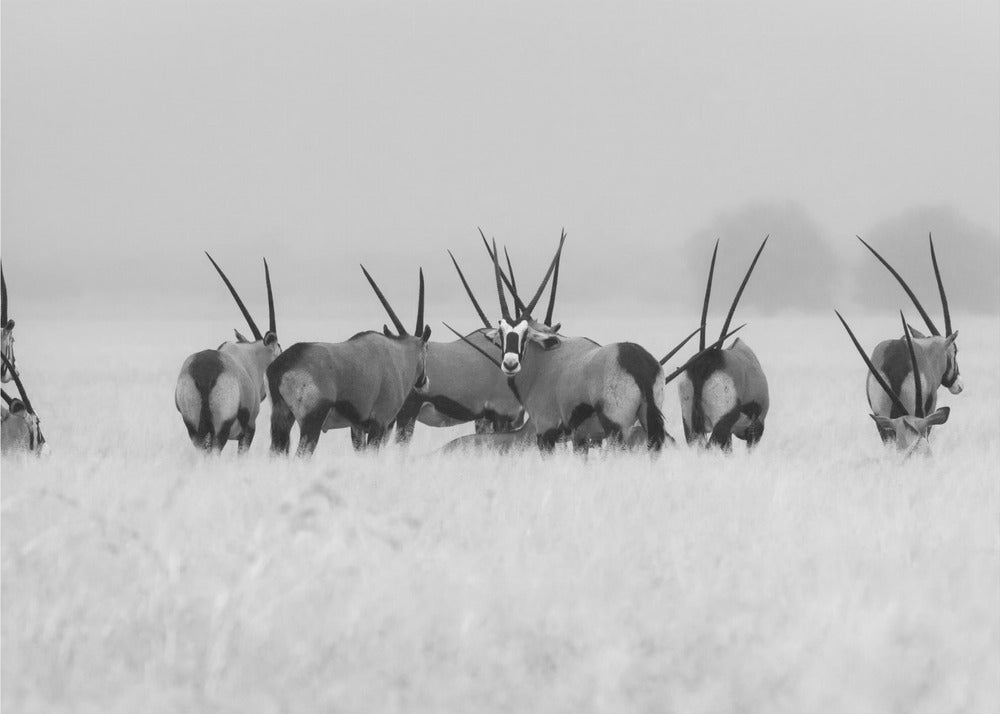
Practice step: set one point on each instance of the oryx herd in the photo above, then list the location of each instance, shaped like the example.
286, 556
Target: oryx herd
518, 378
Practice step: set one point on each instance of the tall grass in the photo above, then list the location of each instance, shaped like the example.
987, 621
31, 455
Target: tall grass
819, 573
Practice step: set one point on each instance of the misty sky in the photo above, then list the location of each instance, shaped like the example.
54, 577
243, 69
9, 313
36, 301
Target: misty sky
321, 134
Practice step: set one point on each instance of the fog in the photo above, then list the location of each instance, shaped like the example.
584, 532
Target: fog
137, 135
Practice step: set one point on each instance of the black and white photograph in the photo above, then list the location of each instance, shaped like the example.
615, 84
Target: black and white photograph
563, 357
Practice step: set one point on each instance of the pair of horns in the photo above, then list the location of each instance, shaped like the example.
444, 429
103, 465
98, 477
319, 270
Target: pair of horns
736, 300
916, 303
20, 386
246, 313
524, 310
392, 313
918, 391
715, 345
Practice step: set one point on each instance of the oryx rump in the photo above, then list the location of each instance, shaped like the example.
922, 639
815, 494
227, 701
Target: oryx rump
361, 383
219, 391
723, 391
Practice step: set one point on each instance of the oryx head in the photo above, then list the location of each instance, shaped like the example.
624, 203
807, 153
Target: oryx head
910, 431
421, 333
514, 331
21, 426
942, 346
268, 340
6, 333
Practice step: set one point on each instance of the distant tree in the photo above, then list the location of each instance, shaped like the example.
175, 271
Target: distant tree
797, 270
969, 257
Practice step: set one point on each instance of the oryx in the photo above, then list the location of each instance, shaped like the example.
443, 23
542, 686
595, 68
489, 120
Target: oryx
910, 424
361, 383
6, 333
937, 355
219, 391
566, 381
20, 429
723, 391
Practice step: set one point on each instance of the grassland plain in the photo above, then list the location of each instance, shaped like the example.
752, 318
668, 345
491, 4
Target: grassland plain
817, 574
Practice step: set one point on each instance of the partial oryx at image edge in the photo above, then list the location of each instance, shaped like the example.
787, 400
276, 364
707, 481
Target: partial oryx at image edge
20, 428
910, 425
936, 357
463, 386
6, 333
572, 385
361, 383
724, 391
219, 391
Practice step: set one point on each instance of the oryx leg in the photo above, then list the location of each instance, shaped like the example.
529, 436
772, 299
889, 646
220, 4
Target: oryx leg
406, 419
222, 435
755, 431
376, 433
547, 439
282, 420
358, 438
246, 431
486, 425
722, 432
310, 428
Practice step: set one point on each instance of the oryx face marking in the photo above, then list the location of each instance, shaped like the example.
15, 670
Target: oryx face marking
951, 378
511, 341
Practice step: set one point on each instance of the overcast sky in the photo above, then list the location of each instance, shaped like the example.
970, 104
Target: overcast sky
137, 134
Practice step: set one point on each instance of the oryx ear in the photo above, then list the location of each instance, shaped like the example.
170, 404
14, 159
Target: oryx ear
556, 327
427, 333
914, 332
939, 416
10, 324
386, 331
492, 334
239, 337
884, 422
270, 338
950, 339
546, 340
16, 406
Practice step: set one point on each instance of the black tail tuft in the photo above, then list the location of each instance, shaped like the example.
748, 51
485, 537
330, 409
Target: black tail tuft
645, 370
281, 414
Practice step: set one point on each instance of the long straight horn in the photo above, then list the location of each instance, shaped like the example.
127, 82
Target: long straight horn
6, 397
17, 381
420, 307
871, 368
944, 298
555, 284
545, 281
708, 295
385, 303
504, 310
3, 298
270, 301
468, 290
473, 345
679, 346
236, 297
518, 305
718, 343
739, 293
510, 271
899, 278
918, 388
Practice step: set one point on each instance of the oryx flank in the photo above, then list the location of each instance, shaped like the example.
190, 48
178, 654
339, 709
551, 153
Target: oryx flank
6, 333
566, 381
219, 391
910, 424
361, 383
937, 356
20, 429
723, 391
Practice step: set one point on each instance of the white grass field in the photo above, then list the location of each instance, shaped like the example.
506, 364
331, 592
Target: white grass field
818, 574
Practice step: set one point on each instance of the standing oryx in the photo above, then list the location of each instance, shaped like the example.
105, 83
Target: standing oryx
361, 383
20, 429
567, 381
724, 392
219, 391
6, 333
937, 355
910, 423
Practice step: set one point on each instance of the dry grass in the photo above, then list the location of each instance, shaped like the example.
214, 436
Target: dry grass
817, 574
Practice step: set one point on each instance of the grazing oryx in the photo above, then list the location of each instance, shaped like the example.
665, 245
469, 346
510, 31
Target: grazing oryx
20, 429
566, 381
6, 333
361, 383
723, 391
910, 424
937, 355
219, 391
